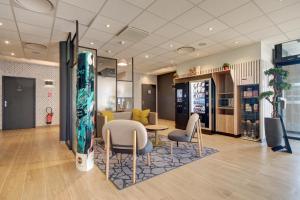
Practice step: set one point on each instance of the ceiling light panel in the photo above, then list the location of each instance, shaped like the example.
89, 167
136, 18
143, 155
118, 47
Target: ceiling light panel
107, 25
272, 5
148, 22
91, 5
8, 25
170, 30
120, 11
217, 7
72, 13
167, 9
217, 27
193, 18
40, 6
33, 18
5, 12
241, 14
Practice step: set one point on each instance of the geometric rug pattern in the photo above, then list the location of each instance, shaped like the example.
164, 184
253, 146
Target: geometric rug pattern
161, 162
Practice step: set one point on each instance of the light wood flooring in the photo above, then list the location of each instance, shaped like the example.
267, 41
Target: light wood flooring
34, 165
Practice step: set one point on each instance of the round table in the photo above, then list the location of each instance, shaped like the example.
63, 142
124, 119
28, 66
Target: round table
155, 129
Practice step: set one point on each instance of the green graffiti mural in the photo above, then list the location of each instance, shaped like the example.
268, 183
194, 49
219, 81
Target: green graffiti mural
85, 103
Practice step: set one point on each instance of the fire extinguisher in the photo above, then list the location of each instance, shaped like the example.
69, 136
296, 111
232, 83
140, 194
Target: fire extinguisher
49, 115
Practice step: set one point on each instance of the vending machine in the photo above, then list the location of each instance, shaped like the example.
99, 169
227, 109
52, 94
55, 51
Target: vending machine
181, 105
202, 101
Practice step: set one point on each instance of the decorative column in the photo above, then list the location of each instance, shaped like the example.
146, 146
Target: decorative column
85, 106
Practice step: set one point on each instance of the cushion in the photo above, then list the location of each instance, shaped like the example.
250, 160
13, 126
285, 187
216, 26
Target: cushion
108, 114
179, 135
141, 115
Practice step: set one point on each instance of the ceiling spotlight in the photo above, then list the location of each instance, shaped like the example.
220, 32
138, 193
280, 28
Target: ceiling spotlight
1, 23
210, 28
122, 63
12, 53
107, 25
92, 43
6, 42
122, 42
171, 45
146, 56
108, 51
236, 42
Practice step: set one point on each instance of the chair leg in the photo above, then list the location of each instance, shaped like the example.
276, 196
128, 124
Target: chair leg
177, 143
198, 139
107, 153
134, 157
148, 159
119, 157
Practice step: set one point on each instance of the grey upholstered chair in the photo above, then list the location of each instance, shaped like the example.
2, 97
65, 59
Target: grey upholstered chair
126, 137
186, 135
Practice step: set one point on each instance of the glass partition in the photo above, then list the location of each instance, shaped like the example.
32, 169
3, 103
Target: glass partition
106, 84
124, 85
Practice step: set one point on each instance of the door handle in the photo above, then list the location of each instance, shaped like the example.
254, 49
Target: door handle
5, 104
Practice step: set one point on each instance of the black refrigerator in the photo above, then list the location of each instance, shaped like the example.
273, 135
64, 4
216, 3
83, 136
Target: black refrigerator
181, 105
202, 102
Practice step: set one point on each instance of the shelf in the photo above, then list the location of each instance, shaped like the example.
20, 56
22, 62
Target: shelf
249, 138
223, 93
250, 97
227, 108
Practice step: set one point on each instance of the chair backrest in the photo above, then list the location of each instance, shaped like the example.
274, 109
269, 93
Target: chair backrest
121, 132
191, 126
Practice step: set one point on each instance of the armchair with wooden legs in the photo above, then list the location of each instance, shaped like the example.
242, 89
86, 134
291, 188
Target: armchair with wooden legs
126, 137
193, 127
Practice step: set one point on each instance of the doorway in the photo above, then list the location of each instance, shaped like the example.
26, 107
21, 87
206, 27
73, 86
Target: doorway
18, 103
149, 97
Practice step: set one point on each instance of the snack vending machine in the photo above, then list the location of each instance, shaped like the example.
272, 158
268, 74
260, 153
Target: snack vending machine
181, 105
202, 101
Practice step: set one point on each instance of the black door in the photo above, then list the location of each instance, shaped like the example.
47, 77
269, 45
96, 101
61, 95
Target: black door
149, 97
18, 103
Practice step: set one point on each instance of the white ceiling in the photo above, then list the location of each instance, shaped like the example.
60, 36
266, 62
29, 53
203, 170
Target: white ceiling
221, 24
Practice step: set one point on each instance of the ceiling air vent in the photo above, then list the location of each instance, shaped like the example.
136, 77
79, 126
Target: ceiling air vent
41, 6
184, 50
132, 34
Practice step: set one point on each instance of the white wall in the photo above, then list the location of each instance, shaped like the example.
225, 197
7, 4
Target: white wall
40, 73
238, 55
140, 79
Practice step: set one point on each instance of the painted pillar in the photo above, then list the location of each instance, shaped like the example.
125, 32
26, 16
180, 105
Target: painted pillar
85, 106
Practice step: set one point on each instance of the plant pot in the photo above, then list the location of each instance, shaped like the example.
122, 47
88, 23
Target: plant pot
274, 132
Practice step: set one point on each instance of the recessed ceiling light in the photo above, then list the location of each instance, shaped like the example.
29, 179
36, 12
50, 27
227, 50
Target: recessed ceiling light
1, 23
108, 51
6, 42
236, 42
122, 42
92, 43
41, 6
210, 28
198, 54
12, 53
171, 45
107, 25
146, 56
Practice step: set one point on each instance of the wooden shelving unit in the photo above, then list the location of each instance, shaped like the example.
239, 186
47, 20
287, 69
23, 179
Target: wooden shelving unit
225, 102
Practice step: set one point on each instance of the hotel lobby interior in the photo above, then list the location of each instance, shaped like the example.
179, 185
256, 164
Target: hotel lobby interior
150, 99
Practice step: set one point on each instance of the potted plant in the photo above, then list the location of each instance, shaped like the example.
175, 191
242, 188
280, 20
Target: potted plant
226, 66
278, 82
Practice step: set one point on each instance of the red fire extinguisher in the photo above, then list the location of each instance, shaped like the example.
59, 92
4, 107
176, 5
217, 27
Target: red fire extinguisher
49, 115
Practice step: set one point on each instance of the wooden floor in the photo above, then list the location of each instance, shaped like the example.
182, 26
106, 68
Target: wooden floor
34, 165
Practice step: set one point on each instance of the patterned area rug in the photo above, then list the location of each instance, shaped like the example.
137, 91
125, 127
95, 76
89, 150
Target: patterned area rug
161, 162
